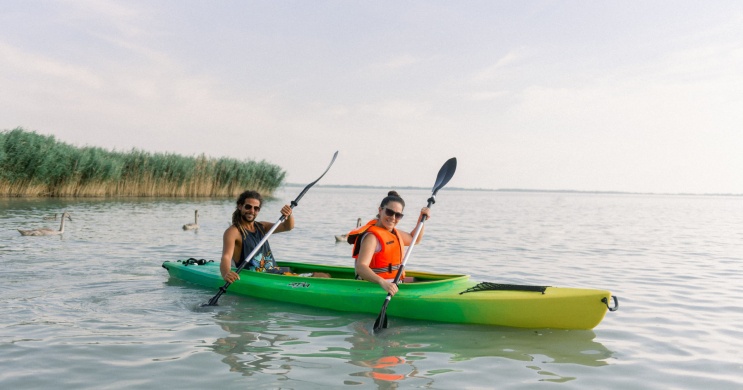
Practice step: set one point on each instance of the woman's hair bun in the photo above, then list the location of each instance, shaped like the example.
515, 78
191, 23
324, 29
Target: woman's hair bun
392, 196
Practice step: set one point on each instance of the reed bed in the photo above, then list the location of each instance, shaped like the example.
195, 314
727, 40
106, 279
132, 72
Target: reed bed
37, 165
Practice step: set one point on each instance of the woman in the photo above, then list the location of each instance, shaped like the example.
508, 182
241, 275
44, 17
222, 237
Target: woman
379, 246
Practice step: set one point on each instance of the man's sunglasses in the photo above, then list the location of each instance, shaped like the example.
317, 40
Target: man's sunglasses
390, 213
248, 207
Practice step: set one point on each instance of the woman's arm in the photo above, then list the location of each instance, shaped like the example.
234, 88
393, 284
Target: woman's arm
368, 247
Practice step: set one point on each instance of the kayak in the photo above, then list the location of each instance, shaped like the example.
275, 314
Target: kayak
430, 296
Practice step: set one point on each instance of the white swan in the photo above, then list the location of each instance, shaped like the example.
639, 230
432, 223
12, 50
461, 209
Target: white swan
344, 237
195, 225
47, 231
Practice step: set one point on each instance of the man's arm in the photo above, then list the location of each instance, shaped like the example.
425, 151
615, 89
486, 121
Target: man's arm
228, 250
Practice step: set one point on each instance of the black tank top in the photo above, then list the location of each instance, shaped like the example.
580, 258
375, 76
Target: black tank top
263, 259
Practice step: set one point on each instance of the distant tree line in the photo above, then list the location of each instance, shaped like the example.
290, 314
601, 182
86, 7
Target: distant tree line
37, 165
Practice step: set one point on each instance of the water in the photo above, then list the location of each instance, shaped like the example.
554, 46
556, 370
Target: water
93, 308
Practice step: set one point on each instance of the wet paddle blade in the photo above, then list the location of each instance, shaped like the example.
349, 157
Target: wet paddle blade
215, 299
381, 321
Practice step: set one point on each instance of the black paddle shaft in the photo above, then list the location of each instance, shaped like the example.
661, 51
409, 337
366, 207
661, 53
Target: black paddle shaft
294, 203
445, 174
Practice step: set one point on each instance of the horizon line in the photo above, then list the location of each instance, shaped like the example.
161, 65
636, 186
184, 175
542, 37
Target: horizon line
521, 190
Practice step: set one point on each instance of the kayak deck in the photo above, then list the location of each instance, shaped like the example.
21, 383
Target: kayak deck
431, 296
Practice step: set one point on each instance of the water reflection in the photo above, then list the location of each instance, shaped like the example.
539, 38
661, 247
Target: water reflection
286, 340
384, 361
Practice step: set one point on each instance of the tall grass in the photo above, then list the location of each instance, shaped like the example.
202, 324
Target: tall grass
37, 165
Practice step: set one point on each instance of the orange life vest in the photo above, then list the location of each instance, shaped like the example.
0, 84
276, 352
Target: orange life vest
386, 262
354, 234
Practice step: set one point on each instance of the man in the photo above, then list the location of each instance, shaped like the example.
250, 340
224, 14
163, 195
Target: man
245, 233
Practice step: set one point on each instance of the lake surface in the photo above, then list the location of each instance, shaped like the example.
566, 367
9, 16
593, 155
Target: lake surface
93, 308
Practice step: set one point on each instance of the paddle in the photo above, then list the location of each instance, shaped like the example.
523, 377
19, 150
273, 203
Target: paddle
445, 174
294, 203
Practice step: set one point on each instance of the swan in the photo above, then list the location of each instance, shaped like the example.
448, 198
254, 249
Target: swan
195, 225
47, 231
344, 237
50, 217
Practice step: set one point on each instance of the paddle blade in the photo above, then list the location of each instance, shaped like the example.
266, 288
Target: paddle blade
381, 321
212, 302
445, 174
307, 188
215, 299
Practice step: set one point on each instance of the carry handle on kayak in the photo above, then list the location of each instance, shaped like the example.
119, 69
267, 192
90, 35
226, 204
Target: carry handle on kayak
294, 203
445, 174
616, 303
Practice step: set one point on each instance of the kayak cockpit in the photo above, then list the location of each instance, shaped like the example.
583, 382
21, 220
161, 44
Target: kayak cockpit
340, 272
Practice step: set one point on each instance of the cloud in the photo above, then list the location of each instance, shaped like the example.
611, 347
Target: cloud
31, 66
397, 109
496, 71
402, 61
119, 18
486, 95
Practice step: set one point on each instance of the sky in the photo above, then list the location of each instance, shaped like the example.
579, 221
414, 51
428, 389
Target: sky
636, 96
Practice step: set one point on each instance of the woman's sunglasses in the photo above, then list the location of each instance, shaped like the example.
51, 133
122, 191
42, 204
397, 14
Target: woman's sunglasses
248, 207
390, 213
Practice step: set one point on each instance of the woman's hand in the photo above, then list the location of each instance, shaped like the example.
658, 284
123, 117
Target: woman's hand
388, 286
425, 211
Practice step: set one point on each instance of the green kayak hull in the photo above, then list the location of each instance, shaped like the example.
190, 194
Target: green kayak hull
431, 296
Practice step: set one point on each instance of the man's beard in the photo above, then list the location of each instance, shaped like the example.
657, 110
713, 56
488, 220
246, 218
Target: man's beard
248, 218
